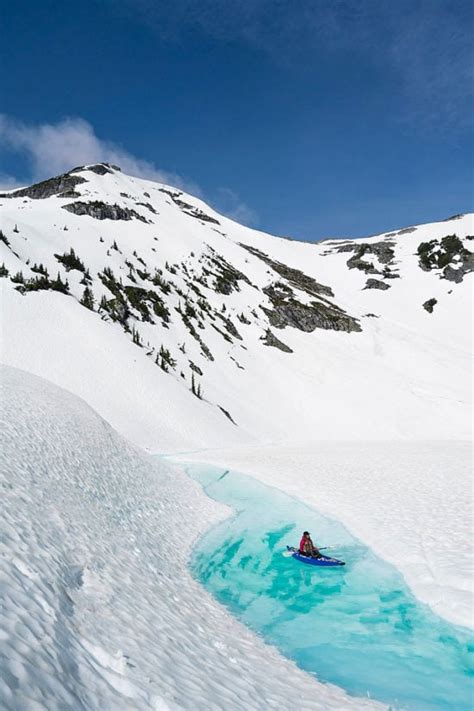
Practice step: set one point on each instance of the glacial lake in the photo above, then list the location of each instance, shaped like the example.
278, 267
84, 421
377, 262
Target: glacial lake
356, 626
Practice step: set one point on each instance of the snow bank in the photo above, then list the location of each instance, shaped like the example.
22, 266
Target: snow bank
412, 503
99, 610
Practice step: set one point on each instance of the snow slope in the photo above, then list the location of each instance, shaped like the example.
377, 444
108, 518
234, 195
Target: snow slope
99, 610
379, 366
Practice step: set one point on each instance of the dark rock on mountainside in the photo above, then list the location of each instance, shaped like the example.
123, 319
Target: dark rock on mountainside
200, 215
101, 168
376, 284
269, 339
429, 305
308, 317
356, 262
457, 275
61, 185
98, 168
295, 277
448, 254
454, 217
227, 414
103, 211
148, 206
195, 368
382, 250
288, 311
188, 209
230, 327
226, 276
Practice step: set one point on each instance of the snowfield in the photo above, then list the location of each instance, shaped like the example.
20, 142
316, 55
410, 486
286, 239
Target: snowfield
99, 610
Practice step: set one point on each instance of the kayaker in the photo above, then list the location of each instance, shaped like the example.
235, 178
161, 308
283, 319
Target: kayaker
307, 546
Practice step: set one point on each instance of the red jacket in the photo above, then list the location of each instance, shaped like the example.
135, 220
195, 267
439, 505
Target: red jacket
305, 541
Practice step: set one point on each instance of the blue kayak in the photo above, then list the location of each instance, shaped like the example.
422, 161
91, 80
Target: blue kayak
324, 561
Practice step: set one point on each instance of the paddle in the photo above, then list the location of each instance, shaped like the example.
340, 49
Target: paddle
292, 551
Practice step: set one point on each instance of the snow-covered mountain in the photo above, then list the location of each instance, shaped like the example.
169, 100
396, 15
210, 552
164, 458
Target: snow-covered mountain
185, 329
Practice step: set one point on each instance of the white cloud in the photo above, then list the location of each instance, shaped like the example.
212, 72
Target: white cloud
52, 149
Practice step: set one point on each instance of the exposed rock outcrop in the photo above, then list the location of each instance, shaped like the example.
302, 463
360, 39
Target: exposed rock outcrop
103, 211
382, 250
376, 284
288, 311
269, 339
295, 277
188, 209
308, 317
61, 185
429, 305
227, 277
448, 254
148, 206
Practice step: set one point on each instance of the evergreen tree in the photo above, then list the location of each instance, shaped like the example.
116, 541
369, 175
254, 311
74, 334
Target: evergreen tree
59, 285
136, 337
4, 239
39, 269
86, 279
88, 298
165, 360
196, 390
103, 303
70, 260
18, 278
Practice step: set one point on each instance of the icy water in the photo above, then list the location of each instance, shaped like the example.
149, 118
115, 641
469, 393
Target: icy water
356, 626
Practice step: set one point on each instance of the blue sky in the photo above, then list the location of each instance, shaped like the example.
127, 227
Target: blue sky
304, 118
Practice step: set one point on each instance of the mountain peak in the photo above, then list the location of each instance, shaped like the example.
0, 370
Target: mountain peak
61, 185
98, 168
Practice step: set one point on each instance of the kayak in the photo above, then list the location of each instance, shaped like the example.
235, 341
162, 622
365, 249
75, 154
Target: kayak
324, 561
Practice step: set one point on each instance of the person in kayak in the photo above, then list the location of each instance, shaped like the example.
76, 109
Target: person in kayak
307, 546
